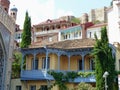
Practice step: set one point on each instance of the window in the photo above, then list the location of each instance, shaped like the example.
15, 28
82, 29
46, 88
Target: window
90, 34
18, 36
79, 64
76, 34
35, 64
13, 13
80, 33
44, 63
32, 87
43, 87
69, 35
18, 88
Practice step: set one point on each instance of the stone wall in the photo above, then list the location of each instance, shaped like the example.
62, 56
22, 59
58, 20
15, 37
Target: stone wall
99, 14
6, 20
7, 28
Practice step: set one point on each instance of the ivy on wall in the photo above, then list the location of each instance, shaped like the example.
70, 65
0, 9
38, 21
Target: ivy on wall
63, 77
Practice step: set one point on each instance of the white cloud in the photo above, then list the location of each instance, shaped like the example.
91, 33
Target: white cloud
61, 12
37, 9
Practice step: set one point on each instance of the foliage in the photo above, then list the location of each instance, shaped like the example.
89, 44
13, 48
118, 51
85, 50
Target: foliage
97, 22
59, 80
84, 86
62, 78
26, 35
86, 74
75, 20
16, 65
104, 61
72, 75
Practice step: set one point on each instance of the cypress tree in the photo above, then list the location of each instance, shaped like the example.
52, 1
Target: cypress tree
26, 35
104, 61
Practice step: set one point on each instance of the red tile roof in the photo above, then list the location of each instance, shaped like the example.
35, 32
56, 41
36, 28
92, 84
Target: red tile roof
98, 25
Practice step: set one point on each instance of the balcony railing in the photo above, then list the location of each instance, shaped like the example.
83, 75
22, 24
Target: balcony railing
43, 75
47, 32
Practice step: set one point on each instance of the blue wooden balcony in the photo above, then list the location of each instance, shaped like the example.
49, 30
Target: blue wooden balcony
43, 75
35, 75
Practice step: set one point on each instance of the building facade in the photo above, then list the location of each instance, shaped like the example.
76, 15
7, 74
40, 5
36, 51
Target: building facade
47, 32
114, 22
114, 29
64, 56
95, 29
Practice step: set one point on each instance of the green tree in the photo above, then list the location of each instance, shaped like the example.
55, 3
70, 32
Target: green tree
26, 35
84, 86
16, 65
75, 20
104, 61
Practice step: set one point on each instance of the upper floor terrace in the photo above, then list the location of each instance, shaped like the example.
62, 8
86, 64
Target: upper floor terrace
70, 33
51, 26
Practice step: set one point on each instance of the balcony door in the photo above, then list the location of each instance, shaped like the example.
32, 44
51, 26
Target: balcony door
44, 62
35, 64
79, 64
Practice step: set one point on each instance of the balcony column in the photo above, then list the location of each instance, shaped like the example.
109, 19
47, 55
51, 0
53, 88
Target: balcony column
34, 57
90, 64
83, 63
22, 62
46, 67
58, 61
69, 63
59, 36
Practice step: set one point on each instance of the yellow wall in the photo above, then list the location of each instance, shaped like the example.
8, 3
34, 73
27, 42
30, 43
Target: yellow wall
54, 61
28, 62
38, 84
87, 64
74, 62
63, 63
27, 85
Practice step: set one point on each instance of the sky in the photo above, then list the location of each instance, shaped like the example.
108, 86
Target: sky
41, 10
